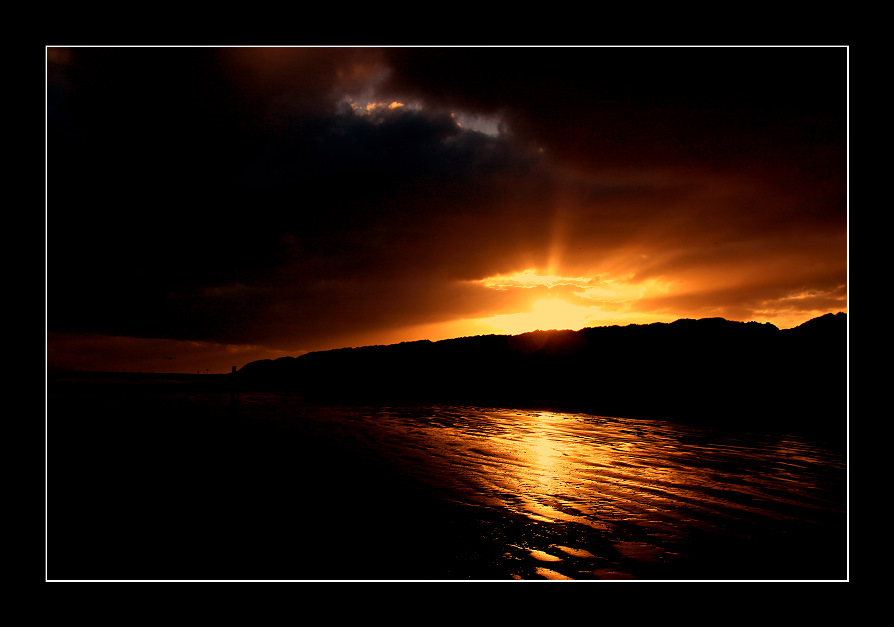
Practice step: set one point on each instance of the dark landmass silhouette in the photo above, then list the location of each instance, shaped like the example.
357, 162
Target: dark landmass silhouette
175, 476
707, 370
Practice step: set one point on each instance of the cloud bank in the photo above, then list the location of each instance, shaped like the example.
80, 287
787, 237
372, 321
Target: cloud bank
309, 198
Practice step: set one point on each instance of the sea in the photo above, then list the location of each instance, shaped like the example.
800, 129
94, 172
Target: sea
164, 482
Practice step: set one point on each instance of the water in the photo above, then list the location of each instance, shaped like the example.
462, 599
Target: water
591, 497
150, 485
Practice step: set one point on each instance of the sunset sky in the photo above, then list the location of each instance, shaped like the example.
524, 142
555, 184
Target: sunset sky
209, 206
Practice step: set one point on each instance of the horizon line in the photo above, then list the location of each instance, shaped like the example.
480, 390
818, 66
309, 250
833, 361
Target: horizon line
325, 350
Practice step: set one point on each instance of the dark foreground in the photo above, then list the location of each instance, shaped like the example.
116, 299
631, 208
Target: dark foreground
169, 481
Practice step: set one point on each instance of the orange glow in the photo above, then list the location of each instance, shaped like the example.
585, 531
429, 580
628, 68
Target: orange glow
344, 197
530, 278
591, 299
372, 107
621, 297
555, 313
585, 301
546, 313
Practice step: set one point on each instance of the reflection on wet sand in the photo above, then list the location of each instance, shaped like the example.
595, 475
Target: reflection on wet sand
641, 493
153, 483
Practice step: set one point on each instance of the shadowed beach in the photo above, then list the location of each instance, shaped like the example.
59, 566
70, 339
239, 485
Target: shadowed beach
188, 477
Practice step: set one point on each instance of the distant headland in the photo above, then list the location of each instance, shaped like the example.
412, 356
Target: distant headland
709, 369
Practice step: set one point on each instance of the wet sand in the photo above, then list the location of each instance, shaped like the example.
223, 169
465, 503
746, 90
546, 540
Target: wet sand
166, 486
159, 482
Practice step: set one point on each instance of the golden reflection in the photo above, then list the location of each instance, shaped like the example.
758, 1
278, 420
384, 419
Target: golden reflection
543, 556
575, 552
554, 467
632, 480
551, 574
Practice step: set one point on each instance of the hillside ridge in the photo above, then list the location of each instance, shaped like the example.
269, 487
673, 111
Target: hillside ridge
687, 369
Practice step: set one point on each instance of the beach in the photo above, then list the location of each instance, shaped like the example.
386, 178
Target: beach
165, 480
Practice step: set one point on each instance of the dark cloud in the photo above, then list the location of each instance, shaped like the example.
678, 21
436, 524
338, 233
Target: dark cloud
623, 106
249, 196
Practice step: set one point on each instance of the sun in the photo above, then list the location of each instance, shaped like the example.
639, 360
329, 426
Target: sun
555, 313
545, 314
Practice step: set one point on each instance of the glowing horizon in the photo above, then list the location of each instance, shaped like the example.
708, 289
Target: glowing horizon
550, 302
181, 356
328, 197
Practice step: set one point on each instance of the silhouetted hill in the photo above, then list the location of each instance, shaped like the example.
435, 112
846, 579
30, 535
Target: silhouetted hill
710, 369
